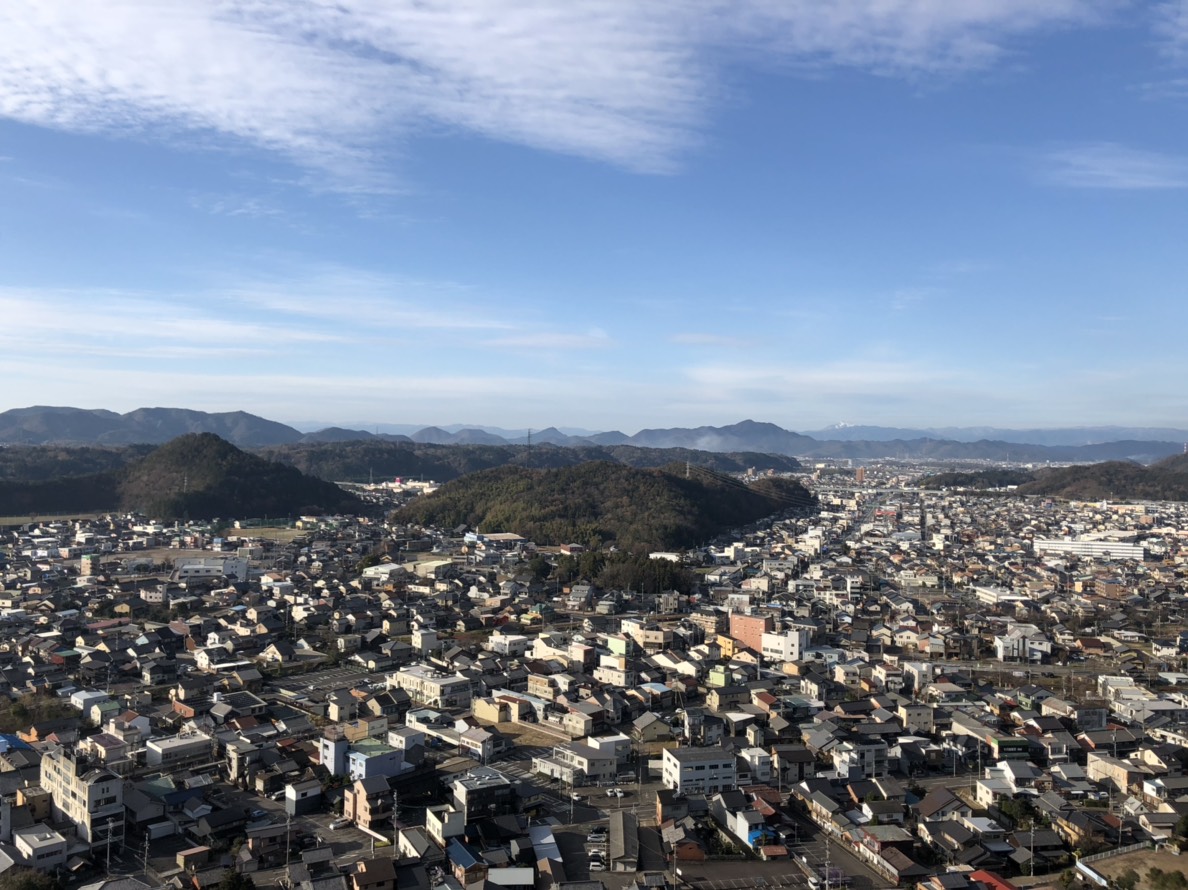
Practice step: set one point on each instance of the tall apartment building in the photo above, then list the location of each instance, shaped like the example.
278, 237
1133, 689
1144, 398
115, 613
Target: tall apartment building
749, 629
89, 796
712, 622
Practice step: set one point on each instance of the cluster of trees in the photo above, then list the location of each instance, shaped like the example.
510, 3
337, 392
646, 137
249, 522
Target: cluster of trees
20, 878
1156, 879
33, 707
626, 571
598, 503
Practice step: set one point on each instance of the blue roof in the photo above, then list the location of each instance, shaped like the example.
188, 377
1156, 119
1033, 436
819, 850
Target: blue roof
461, 854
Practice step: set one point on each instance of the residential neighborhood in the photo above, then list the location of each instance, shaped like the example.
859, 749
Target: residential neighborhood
905, 688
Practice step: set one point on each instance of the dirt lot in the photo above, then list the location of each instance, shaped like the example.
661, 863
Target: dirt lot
528, 736
1140, 861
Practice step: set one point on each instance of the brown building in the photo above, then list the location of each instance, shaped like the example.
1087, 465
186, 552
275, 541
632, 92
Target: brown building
749, 629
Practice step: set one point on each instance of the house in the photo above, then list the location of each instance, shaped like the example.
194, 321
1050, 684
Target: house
378, 873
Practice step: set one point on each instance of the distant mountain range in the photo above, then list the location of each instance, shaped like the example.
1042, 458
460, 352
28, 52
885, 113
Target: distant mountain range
78, 426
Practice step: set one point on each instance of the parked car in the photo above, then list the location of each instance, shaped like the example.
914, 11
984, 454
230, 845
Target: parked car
598, 866
340, 823
614, 792
259, 814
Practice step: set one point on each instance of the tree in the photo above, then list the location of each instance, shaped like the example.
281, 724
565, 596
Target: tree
1182, 826
1128, 880
27, 879
233, 880
540, 568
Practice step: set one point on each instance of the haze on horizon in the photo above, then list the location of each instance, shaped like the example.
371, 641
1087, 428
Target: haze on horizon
607, 215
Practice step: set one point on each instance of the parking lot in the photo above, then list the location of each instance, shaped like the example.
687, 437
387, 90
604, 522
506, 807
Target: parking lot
329, 678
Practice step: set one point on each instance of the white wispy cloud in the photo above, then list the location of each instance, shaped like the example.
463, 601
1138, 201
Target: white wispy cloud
1171, 26
554, 341
355, 316
337, 87
235, 206
376, 301
864, 377
717, 341
1109, 165
906, 298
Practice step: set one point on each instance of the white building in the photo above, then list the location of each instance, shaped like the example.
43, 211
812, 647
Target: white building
513, 645
169, 752
787, 646
40, 847
196, 568
431, 688
1090, 549
698, 770
760, 763
90, 797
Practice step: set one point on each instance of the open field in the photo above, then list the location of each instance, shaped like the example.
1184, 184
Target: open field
50, 517
1141, 861
280, 535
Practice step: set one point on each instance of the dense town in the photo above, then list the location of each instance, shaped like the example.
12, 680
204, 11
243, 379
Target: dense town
907, 688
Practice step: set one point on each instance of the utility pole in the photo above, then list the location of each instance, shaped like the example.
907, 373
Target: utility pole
395, 822
1033, 847
288, 830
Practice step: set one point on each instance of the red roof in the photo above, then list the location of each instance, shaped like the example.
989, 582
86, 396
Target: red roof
991, 880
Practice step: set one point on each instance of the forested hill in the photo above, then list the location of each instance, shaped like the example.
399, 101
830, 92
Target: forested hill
600, 502
361, 460
983, 480
1111, 480
1115, 480
197, 475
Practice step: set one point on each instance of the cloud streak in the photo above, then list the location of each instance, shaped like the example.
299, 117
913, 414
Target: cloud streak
1108, 165
338, 87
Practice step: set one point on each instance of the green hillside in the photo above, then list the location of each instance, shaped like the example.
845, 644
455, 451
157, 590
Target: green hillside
600, 502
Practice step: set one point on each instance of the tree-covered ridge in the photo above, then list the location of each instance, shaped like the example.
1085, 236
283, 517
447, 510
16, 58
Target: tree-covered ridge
1115, 480
978, 479
1166, 480
41, 463
600, 502
198, 476
201, 475
361, 460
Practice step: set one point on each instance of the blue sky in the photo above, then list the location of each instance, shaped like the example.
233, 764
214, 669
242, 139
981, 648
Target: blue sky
607, 214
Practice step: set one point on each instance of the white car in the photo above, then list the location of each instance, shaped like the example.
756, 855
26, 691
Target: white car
339, 823
614, 792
